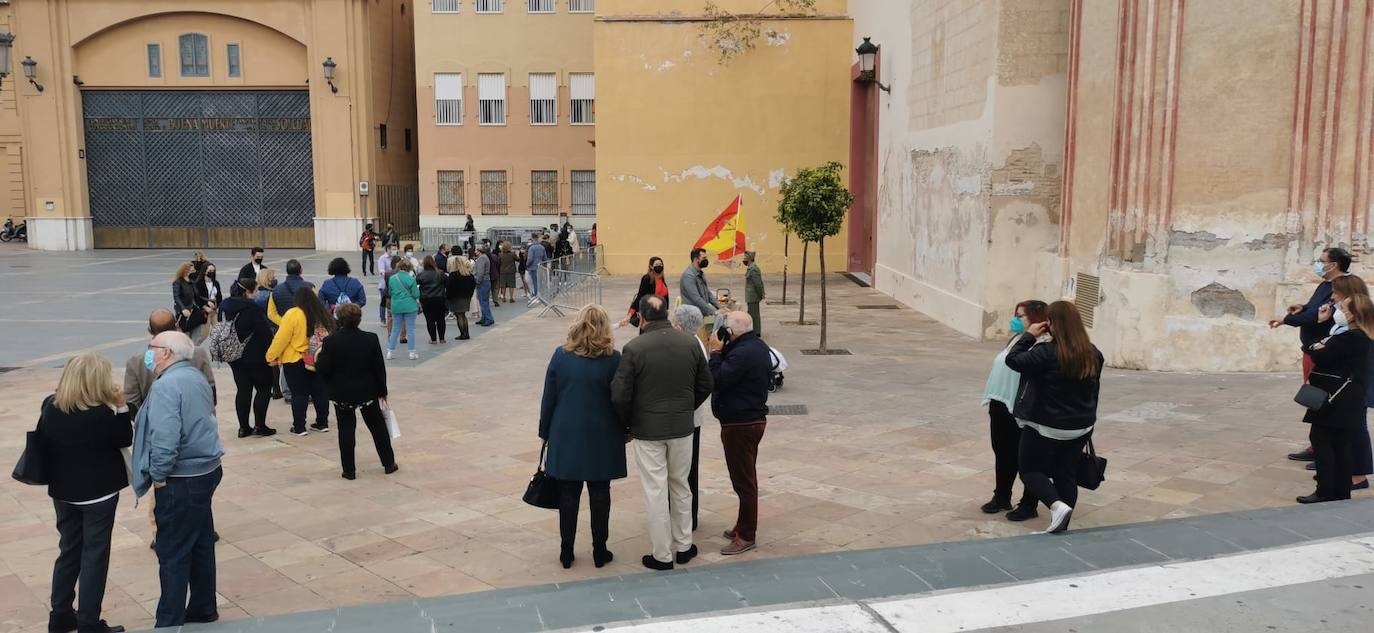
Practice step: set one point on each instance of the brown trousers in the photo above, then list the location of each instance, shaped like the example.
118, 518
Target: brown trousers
741, 443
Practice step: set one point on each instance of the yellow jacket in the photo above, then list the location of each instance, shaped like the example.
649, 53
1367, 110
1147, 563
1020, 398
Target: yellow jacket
292, 339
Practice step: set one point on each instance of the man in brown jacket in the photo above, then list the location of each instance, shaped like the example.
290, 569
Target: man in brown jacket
661, 380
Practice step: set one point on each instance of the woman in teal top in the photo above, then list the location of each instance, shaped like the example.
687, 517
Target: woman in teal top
1000, 398
405, 304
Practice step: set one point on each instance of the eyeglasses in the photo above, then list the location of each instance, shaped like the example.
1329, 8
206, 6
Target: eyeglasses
151, 346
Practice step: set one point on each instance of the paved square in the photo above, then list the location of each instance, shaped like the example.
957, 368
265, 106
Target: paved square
894, 451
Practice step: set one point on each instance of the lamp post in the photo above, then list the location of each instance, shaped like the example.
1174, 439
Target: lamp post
31, 71
329, 67
868, 62
6, 47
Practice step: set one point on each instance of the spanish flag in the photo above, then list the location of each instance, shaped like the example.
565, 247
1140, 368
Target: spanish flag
725, 235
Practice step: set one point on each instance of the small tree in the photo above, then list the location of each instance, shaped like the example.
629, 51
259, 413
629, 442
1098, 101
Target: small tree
814, 204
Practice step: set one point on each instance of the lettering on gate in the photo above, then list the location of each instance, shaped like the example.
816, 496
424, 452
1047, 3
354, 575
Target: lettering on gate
110, 124
200, 124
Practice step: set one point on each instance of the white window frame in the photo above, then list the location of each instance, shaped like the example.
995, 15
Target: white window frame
543, 99
446, 6
584, 92
444, 103
485, 86
581, 6
536, 6
488, 6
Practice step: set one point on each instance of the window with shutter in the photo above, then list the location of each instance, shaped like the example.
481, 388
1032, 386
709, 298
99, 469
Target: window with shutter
491, 98
582, 87
494, 193
544, 192
543, 99
448, 98
583, 192
451, 193
195, 55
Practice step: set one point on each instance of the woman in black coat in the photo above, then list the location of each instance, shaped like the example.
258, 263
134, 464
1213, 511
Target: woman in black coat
186, 300
82, 429
459, 287
351, 364
252, 375
1341, 367
652, 283
1056, 407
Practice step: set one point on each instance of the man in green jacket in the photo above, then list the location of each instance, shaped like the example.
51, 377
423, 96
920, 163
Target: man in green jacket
753, 289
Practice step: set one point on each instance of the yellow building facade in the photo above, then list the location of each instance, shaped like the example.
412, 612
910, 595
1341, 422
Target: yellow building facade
681, 133
166, 123
507, 105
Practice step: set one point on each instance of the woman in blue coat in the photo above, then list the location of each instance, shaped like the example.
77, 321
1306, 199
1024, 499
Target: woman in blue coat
586, 441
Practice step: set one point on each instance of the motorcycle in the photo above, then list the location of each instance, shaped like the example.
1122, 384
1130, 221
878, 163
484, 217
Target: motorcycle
12, 232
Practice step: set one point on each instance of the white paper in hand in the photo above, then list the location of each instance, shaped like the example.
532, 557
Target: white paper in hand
393, 428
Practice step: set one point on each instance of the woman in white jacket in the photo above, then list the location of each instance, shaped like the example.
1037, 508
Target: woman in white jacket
688, 318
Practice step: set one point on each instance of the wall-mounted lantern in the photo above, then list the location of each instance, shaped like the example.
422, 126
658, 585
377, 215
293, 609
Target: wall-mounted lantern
329, 67
31, 71
868, 62
6, 47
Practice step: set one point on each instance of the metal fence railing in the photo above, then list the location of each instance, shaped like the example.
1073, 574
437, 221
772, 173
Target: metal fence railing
568, 283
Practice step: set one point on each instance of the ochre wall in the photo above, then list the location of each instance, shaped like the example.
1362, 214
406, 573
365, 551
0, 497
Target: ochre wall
516, 43
680, 134
12, 203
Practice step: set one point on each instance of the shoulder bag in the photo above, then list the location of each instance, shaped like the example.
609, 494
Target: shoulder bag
542, 491
1092, 470
32, 468
1315, 398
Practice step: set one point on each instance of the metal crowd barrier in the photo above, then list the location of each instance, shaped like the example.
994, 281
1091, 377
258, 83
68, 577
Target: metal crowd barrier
568, 283
432, 237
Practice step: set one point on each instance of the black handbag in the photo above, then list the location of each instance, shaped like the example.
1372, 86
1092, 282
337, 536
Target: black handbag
1315, 398
1092, 470
542, 491
32, 468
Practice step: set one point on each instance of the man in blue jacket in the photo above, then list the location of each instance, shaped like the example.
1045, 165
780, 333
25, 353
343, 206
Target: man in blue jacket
1332, 263
535, 255
176, 454
740, 367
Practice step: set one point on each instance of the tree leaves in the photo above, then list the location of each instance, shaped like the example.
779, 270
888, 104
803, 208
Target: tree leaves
730, 34
814, 202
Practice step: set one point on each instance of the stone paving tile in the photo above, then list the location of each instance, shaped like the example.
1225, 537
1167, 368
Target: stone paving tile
894, 452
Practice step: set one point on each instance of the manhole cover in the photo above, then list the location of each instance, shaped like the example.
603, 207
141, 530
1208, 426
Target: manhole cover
884, 306
787, 409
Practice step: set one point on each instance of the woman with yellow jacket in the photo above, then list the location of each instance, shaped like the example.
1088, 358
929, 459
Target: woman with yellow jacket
293, 349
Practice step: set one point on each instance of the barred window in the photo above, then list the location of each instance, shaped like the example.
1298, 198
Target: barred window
448, 98
541, 6
583, 192
488, 6
451, 193
232, 61
154, 60
581, 6
495, 196
195, 55
543, 99
544, 192
445, 6
491, 97
582, 87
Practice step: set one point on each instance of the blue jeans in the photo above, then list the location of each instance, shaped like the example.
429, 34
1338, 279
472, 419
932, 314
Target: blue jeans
186, 547
484, 301
534, 280
402, 321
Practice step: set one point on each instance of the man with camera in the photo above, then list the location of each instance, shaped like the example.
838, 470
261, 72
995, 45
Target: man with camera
740, 365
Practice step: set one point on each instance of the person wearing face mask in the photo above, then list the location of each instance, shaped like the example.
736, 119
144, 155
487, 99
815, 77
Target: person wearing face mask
1363, 457
390, 237
754, 291
254, 265
693, 287
385, 265
740, 368
652, 283
213, 295
1000, 397
1331, 264
1341, 370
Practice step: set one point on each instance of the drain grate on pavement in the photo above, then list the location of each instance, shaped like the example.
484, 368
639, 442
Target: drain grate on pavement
880, 306
787, 409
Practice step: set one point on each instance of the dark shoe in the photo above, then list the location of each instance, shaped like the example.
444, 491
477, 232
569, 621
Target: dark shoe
216, 537
1022, 513
602, 556
276, 394
736, 547
101, 627
152, 545
464, 337
350, 476
321, 427
566, 557
686, 557
61, 622
264, 431
997, 504
1304, 455
1311, 466
652, 563
729, 535
245, 432
301, 432
202, 618
392, 468
1312, 498
1363, 485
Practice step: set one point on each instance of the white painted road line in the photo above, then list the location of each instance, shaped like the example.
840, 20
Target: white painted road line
848, 618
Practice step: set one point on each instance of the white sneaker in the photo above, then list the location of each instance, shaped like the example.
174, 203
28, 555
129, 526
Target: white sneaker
388, 354
414, 356
1060, 513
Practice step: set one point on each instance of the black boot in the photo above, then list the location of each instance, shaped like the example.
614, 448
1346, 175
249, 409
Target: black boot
601, 556
566, 556
998, 503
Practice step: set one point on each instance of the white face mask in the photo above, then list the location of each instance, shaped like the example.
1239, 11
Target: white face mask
1338, 316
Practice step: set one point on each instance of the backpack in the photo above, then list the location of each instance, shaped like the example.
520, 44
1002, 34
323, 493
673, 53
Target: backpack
312, 347
366, 242
224, 342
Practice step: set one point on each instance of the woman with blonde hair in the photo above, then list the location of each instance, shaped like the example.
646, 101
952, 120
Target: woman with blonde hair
82, 429
1341, 370
583, 435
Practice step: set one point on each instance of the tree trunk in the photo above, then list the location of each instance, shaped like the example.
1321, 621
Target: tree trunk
823, 297
786, 241
801, 316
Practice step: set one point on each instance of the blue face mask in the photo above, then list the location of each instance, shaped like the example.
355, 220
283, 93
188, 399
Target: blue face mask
1017, 325
148, 361
1319, 268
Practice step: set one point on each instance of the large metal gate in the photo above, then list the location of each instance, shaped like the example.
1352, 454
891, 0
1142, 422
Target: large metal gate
218, 169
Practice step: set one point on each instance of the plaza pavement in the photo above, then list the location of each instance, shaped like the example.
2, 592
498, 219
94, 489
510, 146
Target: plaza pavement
893, 451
